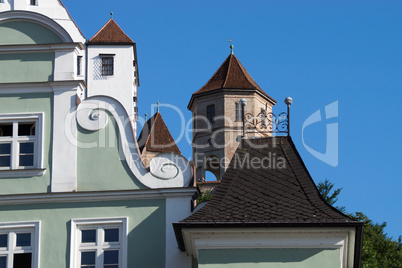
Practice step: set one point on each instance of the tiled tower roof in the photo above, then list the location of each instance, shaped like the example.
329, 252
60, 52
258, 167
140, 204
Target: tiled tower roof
230, 75
155, 137
110, 33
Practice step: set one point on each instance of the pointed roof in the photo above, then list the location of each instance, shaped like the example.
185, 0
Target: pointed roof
111, 33
278, 192
155, 137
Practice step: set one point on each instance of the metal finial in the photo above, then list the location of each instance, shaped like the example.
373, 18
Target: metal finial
157, 109
146, 117
231, 46
111, 15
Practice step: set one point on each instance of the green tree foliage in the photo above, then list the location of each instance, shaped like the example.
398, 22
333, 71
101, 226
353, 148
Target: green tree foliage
379, 250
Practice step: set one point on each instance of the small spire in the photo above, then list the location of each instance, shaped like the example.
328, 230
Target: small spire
157, 109
231, 46
146, 117
111, 15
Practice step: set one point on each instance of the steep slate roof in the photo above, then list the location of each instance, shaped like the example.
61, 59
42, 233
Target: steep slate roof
283, 195
110, 33
155, 136
231, 75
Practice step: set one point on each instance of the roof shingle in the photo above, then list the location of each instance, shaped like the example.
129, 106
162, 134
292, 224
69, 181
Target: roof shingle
155, 136
279, 190
111, 33
231, 75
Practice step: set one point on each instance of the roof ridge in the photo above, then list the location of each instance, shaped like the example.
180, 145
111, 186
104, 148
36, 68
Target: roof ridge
228, 70
245, 72
100, 30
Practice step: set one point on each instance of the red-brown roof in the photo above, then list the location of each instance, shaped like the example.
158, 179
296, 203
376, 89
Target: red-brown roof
230, 75
155, 137
111, 33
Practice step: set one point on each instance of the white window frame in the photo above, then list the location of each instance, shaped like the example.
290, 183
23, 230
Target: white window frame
14, 170
21, 227
99, 223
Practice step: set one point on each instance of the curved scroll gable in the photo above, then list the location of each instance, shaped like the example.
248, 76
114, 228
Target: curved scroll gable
167, 170
39, 19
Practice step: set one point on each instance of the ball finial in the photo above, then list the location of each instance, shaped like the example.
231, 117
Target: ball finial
111, 15
288, 101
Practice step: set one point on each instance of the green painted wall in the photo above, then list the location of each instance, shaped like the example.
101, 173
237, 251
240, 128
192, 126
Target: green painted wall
25, 33
100, 168
146, 228
30, 103
26, 67
278, 258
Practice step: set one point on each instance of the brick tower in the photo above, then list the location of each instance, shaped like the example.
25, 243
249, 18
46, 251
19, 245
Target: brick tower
218, 117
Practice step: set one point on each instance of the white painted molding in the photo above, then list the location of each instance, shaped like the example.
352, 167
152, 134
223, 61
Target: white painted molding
22, 173
196, 239
77, 47
41, 87
168, 170
100, 196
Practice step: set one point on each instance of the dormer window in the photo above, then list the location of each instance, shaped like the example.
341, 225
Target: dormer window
33, 2
107, 64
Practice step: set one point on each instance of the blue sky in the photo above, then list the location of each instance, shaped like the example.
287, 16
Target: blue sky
317, 52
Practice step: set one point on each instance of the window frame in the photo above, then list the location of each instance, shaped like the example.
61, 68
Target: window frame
79, 65
76, 247
238, 112
15, 140
11, 229
108, 71
211, 114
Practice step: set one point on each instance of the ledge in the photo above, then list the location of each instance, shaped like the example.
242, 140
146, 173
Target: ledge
22, 173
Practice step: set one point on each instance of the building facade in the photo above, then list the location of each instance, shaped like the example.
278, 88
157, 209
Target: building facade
73, 189
77, 189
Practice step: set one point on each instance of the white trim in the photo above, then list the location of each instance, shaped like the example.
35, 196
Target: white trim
38, 18
38, 142
35, 242
250, 238
66, 47
40, 87
22, 173
96, 196
97, 222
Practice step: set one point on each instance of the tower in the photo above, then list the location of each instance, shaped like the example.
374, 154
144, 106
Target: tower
218, 115
112, 67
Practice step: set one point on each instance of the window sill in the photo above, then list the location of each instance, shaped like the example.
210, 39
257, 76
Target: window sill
22, 173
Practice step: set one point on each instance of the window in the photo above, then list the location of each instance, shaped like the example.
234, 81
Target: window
19, 244
211, 113
33, 2
239, 114
20, 142
107, 64
99, 243
79, 65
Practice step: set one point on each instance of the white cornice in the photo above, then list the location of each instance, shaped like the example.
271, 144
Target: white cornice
251, 238
95, 196
40, 87
41, 48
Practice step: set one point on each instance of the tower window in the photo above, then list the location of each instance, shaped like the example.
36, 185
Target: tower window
239, 114
79, 65
107, 65
211, 113
33, 2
